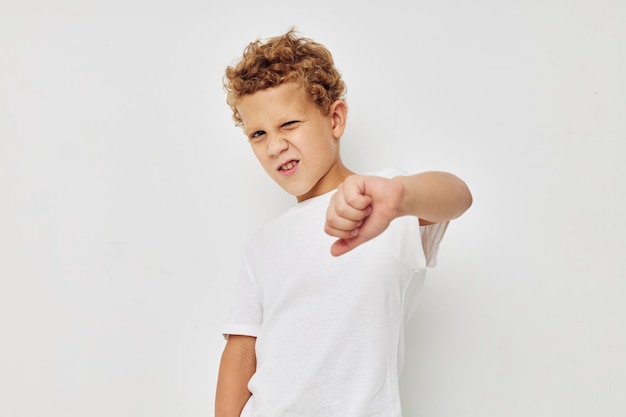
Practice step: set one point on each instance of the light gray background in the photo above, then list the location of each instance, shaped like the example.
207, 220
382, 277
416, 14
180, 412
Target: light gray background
128, 195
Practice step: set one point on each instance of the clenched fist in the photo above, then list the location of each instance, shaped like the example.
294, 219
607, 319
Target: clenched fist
361, 209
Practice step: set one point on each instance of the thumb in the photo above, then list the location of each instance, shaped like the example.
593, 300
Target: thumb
341, 246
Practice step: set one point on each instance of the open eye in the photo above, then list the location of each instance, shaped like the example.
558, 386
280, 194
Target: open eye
257, 134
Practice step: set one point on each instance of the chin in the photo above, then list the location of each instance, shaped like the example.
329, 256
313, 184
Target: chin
297, 192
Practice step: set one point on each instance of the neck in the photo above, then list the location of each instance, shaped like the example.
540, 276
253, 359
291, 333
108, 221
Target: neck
335, 176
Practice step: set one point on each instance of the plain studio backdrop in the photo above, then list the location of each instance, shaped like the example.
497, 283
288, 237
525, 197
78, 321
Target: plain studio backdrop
128, 195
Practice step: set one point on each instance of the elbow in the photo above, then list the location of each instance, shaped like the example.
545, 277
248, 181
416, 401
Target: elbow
465, 198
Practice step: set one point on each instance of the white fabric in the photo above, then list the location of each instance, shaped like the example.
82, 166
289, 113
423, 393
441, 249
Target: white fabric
330, 330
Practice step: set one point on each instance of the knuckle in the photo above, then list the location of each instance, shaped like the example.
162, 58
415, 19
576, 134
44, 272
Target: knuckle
342, 210
352, 199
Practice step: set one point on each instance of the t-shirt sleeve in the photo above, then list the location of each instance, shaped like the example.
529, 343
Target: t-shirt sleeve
431, 238
246, 313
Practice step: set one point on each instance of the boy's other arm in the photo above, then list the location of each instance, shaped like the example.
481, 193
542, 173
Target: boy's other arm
237, 366
363, 206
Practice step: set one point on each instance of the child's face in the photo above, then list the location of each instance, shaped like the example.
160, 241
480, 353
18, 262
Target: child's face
297, 145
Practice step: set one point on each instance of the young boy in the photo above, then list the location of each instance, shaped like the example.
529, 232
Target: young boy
326, 288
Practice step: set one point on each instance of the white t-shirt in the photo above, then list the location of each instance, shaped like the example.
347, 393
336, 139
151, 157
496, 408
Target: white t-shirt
330, 330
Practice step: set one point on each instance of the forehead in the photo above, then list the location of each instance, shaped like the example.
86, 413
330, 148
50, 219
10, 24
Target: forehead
275, 103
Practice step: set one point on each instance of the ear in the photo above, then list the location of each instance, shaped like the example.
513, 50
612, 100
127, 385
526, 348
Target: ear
338, 115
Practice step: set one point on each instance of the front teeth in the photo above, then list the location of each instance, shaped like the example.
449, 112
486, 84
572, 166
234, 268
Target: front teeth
288, 166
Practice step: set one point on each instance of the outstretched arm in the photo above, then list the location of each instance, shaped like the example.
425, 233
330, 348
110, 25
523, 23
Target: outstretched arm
363, 206
237, 366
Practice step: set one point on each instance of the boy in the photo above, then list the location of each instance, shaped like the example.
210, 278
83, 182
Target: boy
326, 288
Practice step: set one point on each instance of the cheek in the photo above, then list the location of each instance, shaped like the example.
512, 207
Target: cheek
258, 151
261, 156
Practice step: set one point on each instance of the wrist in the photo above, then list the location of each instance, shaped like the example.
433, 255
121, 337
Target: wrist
405, 198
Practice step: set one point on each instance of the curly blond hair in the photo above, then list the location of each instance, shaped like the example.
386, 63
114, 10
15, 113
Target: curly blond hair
281, 59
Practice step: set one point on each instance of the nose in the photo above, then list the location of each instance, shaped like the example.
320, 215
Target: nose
276, 144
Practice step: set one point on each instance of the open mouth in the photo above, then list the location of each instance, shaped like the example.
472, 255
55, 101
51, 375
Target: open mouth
289, 165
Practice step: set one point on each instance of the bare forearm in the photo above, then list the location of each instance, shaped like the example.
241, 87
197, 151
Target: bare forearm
434, 196
237, 366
